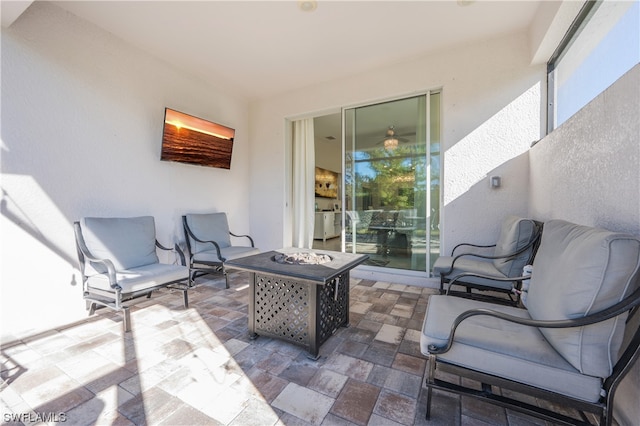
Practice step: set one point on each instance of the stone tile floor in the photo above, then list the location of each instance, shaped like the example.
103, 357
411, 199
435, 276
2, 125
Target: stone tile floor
199, 367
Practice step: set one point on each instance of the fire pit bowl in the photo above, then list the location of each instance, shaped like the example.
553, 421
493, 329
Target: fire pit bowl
302, 258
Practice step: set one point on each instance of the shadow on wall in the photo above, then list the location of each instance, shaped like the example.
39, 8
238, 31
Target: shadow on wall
476, 215
9, 209
497, 146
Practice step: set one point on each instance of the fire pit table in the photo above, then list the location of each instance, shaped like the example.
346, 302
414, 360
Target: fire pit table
298, 295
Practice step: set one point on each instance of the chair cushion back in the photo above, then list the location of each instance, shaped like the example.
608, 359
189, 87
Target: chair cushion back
128, 242
208, 227
515, 234
580, 270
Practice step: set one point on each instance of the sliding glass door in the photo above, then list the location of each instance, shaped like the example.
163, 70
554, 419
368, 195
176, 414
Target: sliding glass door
392, 181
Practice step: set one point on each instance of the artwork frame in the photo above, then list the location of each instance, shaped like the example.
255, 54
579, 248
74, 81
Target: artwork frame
192, 140
326, 183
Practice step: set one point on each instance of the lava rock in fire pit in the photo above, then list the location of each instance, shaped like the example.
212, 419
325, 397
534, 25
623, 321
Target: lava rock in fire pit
302, 258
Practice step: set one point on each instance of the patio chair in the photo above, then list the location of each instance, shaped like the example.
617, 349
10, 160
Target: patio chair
359, 220
497, 267
405, 226
209, 243
357, 227
118, 262
571, 346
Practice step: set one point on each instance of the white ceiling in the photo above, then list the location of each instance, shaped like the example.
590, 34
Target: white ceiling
257, 49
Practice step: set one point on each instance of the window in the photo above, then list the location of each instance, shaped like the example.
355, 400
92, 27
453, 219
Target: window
602, 44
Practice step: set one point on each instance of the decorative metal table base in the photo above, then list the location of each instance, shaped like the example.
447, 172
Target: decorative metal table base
299, 311
301, 303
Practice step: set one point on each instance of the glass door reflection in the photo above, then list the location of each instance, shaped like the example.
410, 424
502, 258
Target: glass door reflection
391, 182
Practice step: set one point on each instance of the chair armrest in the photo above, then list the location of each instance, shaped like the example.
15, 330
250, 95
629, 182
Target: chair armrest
87, 256
504, 256
175, 248
204, 242
482, 256
628, 303
532, 243
111, 270
470, 245
471, 274
239, 236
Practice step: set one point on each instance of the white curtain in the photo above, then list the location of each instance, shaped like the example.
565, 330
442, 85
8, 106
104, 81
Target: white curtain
303, 202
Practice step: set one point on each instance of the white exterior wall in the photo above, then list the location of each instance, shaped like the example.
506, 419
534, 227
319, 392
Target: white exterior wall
491, 113
588, 171
82, 115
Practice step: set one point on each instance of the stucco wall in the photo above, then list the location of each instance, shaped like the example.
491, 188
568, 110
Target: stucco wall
588, 171
82, 115
491, 102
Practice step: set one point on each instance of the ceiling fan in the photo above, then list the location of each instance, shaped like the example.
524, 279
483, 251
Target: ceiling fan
391, 140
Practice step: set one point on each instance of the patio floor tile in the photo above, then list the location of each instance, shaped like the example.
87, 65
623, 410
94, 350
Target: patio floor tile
308, 405
409, 364
396, 407
198, 366
356, 402
390, 334
328, 382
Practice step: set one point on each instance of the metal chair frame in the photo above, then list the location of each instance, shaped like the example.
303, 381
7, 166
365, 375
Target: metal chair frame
97, 298
514, 297
200, 268
602, 408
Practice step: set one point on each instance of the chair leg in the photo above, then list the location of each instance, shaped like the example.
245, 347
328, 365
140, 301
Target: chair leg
226, 277
92, 308
185, 299
431, 372
127, 319
191, 278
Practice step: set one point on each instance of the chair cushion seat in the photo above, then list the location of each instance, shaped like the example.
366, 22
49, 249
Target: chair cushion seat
141, 278
232, 252
473, 265
504, 349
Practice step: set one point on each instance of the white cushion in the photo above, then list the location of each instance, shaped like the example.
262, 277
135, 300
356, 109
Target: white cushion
127, 242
